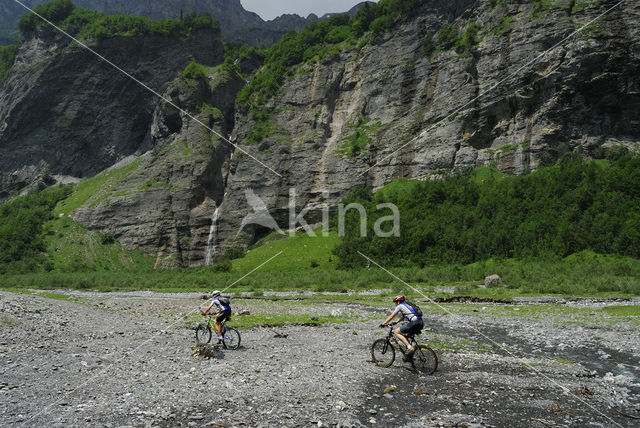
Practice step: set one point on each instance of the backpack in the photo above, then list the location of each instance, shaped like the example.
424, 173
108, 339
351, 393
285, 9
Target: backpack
225, 301
416, 308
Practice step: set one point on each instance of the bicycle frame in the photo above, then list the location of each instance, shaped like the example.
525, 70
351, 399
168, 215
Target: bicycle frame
223, 326
392, 336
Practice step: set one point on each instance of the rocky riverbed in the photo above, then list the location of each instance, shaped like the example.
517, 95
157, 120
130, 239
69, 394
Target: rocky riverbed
125, 359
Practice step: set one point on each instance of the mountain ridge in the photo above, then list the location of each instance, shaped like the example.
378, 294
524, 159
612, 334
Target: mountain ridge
238, 24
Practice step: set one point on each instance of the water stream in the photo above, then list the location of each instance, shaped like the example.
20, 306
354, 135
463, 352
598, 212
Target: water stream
211, 242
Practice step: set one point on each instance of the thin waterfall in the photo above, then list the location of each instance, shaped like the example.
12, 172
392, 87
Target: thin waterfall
211, 242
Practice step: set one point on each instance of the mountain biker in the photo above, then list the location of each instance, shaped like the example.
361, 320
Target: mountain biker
223, 313
412, 322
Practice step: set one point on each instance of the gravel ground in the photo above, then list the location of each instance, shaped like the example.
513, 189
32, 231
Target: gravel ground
125, 359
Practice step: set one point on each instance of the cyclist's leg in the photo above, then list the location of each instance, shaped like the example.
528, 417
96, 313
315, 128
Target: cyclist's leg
217, 325
398, 332
405, 330
220, 319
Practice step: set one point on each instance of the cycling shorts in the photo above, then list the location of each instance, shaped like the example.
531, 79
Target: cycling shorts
224, 315
412, 327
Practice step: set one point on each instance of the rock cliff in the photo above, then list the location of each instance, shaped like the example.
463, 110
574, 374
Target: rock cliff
429, 114
65, 109
170, 197
519, 96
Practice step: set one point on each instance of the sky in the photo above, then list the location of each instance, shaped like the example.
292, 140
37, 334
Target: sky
269, 9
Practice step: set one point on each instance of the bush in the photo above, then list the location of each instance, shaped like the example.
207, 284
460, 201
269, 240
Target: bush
194, 71
448, 36
222, 266
234, 253
339, 34
469, 38
381, 25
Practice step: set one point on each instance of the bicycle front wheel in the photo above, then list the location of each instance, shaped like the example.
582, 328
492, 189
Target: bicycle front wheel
231, 338
382, 353
424, 361
203, 334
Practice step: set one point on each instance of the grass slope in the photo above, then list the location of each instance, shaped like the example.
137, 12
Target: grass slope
299, 253
72, 248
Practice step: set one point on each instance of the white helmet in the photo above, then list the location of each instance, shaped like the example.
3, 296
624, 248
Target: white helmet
216, 293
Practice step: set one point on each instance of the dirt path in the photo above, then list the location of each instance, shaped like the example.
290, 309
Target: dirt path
124, 360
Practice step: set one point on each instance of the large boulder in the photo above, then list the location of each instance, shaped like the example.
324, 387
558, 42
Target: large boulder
492, 281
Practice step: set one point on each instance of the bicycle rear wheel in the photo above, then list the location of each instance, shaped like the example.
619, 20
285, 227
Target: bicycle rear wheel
382, 353
231, 338
424, 360
203, 334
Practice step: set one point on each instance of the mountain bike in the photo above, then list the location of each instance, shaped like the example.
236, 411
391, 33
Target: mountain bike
230, 336
423, 360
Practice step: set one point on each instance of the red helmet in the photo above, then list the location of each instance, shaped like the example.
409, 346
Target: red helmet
398, 299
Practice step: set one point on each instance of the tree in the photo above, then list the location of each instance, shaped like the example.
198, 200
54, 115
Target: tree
54, 11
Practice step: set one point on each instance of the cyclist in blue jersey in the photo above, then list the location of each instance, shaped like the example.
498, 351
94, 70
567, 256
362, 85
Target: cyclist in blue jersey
223, 312
413, 322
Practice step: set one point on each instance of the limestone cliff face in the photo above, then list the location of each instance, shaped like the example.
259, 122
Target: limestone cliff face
65, 109
518, 98
426, 115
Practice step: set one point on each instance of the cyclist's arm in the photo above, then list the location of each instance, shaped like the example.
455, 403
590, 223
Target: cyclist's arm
389, 318
206, 311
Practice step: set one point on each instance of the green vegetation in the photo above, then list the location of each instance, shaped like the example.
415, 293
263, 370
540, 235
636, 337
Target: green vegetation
449, 37
540, 8
194, 71
21, 223
503, 27
7, 58
87, 23
54, 11
262, 129
95, 189
298, 253
583, 274
579, 7
318, 40
539, 232
469, 39
216, 112
72, 248
550, 213
355, 143
36, 235
622, 311
181, 147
